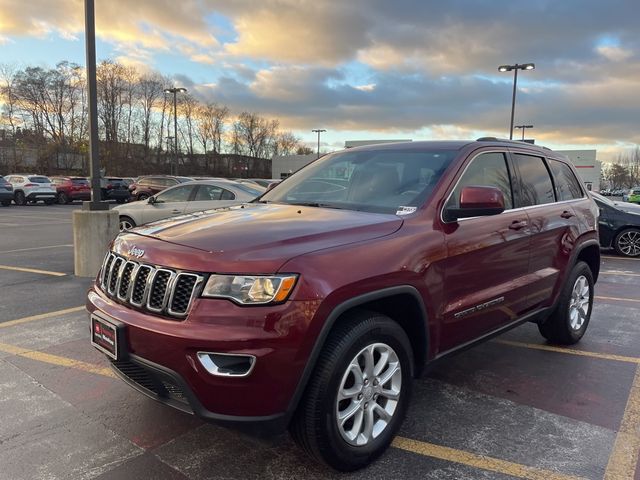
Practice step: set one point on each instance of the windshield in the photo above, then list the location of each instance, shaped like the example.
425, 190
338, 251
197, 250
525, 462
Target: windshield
381, 181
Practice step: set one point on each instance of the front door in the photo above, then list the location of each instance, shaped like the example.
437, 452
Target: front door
168, 203
487, 262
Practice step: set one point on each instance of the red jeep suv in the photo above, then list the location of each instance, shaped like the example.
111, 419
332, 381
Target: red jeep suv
315, 306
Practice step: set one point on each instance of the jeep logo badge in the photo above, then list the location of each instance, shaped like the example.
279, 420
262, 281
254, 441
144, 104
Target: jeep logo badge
136, 252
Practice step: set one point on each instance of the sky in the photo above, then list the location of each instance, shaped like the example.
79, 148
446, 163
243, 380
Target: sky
371, 69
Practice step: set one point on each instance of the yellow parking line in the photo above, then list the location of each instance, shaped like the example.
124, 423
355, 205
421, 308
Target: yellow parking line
41, 316
477, 461
550, 348
56, 360
624, 456
597, 297
33, 270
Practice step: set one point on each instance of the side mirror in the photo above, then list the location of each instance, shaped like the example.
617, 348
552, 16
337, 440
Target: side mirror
272, 185
151, 200
477, 202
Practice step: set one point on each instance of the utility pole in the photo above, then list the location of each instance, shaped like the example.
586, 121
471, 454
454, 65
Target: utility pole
94, 158
175, 91
318, 131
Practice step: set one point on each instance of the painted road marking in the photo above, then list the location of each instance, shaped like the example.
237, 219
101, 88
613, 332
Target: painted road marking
570, 351
619, 272
36, 248
41, 316
33, 270
619, 258
56, 360
477, 461
624, 456
598, 297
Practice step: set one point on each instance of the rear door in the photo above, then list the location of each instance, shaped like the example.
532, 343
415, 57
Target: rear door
554, 224
486, 270
169, 203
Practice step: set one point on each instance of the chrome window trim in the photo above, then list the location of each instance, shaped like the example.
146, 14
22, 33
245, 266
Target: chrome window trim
196, 286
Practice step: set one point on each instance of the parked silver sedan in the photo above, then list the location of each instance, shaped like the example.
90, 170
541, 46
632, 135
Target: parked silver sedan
185, 198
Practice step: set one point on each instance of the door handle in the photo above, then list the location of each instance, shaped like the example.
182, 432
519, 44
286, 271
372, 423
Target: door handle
517, 224
175, 211
566, 214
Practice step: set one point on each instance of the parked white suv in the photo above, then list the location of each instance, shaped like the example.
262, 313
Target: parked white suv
31, 189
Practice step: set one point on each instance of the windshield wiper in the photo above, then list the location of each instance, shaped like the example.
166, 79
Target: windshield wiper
315, 204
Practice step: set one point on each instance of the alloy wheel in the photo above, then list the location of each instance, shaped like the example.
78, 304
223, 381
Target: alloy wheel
580, 303
368, 394
629, 243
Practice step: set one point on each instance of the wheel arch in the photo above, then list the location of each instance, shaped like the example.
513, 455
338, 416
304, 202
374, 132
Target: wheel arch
589, 252
402, 304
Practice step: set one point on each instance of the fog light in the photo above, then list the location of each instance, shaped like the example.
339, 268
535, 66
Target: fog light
227, 364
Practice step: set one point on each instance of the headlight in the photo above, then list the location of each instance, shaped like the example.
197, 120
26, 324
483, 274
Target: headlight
250, 290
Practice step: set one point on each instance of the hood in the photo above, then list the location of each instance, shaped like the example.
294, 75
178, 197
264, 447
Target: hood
628, 207
253, 238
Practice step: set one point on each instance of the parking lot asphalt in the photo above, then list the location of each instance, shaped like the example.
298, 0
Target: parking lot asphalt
515, 407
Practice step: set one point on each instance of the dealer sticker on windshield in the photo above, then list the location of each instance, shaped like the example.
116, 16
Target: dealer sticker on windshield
405, 210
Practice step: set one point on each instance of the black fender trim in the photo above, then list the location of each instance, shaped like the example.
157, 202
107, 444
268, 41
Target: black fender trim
331, 320
580, 248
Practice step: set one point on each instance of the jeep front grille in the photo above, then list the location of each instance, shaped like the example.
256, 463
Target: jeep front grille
156, 289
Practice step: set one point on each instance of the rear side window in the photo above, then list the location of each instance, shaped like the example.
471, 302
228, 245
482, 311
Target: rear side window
532, 184
486, 170
227, 195
207, 193
567, 185
178, 194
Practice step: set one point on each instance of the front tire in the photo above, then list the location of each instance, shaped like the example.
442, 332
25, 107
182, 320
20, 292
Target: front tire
627, 242
570, 319
126, 223
358, 394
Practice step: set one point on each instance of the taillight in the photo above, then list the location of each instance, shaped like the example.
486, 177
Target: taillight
30, 184
109, 185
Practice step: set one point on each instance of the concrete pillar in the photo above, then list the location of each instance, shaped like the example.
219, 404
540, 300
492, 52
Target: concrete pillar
92, 232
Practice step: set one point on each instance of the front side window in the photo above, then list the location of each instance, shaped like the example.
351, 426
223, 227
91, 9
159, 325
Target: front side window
178, 194
486, 170
567, 185
380, 181
532, 185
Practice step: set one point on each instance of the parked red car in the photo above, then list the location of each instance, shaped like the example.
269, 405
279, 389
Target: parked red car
71, 188
148, 186
316, 306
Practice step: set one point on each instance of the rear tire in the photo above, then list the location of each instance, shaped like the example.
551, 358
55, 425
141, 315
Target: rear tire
627, 242
19, 198
374, 394
570, 319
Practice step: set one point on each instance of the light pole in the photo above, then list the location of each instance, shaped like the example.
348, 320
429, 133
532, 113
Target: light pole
175, 91
523, 127
515, 68
318, 131
94, 159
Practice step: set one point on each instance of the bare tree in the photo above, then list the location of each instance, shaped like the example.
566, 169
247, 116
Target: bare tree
150, 89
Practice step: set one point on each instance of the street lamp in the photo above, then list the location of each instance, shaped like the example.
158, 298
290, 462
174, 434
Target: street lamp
318, 131
523, 127
515, 68
175, 91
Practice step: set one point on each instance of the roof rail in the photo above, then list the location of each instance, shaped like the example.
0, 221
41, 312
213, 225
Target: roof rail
506, 140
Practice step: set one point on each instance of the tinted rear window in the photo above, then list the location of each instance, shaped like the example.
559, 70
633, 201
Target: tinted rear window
39, 180
533, 184
79, 181
567, 185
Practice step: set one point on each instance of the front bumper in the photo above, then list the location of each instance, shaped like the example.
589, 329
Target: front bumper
116, 194
161, 356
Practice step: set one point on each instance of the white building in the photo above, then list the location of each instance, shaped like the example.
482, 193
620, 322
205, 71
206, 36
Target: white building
284, 165
588, 167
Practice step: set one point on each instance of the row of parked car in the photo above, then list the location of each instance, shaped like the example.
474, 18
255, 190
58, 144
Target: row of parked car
28, 188
632, 195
